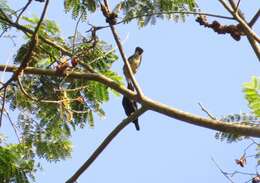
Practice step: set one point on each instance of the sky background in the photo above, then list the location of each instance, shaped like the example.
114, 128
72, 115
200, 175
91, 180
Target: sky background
183, 64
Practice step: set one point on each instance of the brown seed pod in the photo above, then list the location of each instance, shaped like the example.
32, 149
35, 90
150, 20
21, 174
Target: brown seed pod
242, 161
74, 61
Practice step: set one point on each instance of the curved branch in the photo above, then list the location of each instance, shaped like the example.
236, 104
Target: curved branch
253, 131
105, 142
222, 126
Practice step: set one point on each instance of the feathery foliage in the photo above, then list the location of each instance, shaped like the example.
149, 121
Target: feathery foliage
14, 165
147, 11
80, 8
50, 107
241, 119
5, 13
251, 91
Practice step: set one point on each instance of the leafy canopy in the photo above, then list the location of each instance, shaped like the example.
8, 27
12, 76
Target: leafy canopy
50, 107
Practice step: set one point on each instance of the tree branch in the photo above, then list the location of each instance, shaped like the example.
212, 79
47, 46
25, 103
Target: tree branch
254, 19
253, 131
29, 53
238, 15
13, 126
223, 173
120, 47
23, 10
245, 26
3, 107
105, 143
251, 40
206, 111
27, 31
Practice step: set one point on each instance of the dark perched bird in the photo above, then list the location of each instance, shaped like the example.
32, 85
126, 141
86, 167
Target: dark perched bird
130, 106
134, 61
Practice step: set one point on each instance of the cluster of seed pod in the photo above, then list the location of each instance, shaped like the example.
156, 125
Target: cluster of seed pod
235, 31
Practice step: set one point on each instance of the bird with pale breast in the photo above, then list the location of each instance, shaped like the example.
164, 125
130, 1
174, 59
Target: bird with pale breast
129, 105
134, 61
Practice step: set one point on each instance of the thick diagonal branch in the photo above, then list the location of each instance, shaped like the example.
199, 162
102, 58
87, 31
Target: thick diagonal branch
245, 26
251, 35
104, 144
251, 40
123, 55
246, 130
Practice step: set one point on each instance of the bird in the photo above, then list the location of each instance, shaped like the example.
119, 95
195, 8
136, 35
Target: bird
130, 106
134, 61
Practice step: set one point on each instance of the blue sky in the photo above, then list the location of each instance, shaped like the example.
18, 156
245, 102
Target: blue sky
183, 64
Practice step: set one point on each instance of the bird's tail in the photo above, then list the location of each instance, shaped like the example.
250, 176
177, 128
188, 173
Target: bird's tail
137, 127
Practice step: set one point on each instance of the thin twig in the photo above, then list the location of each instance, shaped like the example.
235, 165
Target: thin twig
254, 19
223, 173
234, 5
178, 12
248, 147
23, 10
105, 142
75, 33
253, 140
72, 89
166, 13
239, 172
110, 51
3, 32
237, 6
3, 106
39, 100
206, 111
14, 127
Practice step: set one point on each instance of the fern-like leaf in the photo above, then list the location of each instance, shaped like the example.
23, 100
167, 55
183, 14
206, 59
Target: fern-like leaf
241, 119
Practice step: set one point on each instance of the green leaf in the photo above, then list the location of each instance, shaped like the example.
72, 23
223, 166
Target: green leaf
80, 8
90, 119
146, 11
251, 91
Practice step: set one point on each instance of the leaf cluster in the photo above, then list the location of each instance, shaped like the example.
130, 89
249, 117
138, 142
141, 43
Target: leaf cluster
14, 166
49, 107
246, 119
251, 91
80, 8
147, 11
5, 13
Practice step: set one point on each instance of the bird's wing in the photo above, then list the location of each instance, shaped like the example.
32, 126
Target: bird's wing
128, 106
130, 59
140, 62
